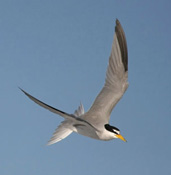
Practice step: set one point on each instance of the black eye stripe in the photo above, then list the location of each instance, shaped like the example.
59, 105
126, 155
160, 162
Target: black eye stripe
115, 128
111, 128
115, 132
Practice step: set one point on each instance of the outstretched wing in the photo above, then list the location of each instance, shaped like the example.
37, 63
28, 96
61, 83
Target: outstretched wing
50, 108
115, 83
69, 117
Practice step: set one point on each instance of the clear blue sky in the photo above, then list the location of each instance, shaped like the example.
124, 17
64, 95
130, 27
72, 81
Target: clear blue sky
58, 51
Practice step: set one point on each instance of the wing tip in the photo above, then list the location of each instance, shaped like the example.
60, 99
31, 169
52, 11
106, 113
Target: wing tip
21, 89
122, 43
117, 21
27, 94
24, 91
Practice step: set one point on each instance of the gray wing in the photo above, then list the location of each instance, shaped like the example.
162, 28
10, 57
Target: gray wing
115, 83
69, 117
50, 108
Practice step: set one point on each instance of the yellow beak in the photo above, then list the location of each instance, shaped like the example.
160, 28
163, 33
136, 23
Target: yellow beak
121, 137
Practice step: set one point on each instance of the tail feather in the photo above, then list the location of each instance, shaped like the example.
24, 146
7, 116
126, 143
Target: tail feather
60, 133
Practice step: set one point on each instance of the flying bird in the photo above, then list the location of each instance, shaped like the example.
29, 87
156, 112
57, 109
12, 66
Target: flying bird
95, 122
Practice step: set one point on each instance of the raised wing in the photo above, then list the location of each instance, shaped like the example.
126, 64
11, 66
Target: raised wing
115, 83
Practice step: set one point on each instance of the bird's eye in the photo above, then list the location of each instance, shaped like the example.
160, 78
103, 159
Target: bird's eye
116, 131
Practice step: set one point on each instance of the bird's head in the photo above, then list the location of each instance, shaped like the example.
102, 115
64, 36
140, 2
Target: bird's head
115, 131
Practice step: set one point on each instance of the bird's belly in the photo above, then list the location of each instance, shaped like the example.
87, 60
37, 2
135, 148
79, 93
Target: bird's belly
105, 135
92, 133
88, 132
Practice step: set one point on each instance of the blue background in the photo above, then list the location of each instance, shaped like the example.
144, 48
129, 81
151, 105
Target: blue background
58, 51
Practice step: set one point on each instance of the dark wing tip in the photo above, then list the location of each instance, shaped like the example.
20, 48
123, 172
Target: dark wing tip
117, 22
44, 105
22, 90
122, 43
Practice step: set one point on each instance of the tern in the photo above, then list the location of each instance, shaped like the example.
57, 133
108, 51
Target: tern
95, 122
